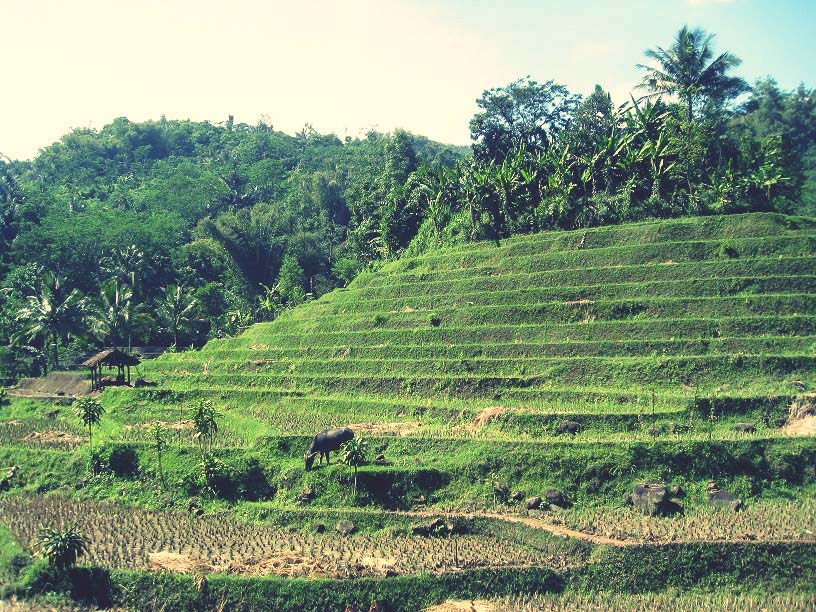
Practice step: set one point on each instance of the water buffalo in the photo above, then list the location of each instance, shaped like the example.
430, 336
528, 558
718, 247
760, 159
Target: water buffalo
323, 443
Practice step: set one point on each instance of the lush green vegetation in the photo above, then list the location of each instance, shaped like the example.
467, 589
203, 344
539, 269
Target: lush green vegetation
511, 389
175, 232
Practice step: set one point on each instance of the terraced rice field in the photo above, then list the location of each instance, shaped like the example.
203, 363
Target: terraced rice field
680, 352
129, 538
623, 329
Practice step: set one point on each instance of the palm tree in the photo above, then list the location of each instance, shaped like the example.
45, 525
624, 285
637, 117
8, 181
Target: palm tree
127, 265
269, 304
51, 314
61, 548
116, 318
89, 410
355, 454
686, 69
177, 309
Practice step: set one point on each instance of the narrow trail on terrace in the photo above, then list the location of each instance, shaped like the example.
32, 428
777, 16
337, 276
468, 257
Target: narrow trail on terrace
529, 521
560, 530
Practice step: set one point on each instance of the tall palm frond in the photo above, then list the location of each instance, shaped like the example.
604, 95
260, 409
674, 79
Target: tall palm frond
686, 70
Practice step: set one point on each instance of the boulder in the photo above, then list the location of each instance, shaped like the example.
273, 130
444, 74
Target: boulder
381, 460
319, 528
745, 427
569, 427
501, 493
305, 496
345, 528
724, 500
420, 500
650, 498
436, 527
533, 503
6, 481
555, 497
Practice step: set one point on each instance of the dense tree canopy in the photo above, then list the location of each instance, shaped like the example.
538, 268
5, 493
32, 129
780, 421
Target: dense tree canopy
173, 232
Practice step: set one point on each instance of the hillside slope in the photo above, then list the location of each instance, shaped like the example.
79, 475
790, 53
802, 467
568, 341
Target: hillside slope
660, 342
679, 352
585, 325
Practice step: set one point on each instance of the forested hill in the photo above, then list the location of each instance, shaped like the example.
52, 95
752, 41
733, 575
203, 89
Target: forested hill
145, 220
175, 232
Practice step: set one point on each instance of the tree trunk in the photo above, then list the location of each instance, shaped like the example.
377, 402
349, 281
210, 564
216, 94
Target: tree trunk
161, 471
56, 352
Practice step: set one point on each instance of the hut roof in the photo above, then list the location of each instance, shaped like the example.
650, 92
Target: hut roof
112, 356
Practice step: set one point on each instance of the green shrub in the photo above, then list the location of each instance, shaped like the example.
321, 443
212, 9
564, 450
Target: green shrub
253, 484
118, 459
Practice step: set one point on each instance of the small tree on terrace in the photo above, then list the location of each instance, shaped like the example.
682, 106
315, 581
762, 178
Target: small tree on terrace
158, 441
206, 425
355, 454
62, 548
89, 410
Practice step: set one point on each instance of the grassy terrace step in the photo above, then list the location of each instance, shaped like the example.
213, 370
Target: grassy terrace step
589, 468
729, 227
226, 358
525, 313
570, 243
487, 366
440, 282
658, 373
627, 254
264, 335
434, 295
580, 399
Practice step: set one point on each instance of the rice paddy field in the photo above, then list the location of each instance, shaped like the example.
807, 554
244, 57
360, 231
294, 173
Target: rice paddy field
566, 366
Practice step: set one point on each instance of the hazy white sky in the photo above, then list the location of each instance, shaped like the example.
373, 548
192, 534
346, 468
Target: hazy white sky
348, 66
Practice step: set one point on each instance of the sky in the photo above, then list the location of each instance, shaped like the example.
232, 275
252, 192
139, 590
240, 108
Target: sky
352, 65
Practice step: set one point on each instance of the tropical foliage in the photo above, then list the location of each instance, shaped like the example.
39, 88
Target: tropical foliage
89, 410
176, 232
62, 547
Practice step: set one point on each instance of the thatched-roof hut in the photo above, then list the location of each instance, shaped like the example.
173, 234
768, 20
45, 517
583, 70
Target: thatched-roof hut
111, 358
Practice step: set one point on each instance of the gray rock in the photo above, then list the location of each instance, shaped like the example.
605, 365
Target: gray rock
305, 496
724, 500
436, 527
381, 460
569, 427
533, 503
745, 427
345, 528
556, 498
650, 498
